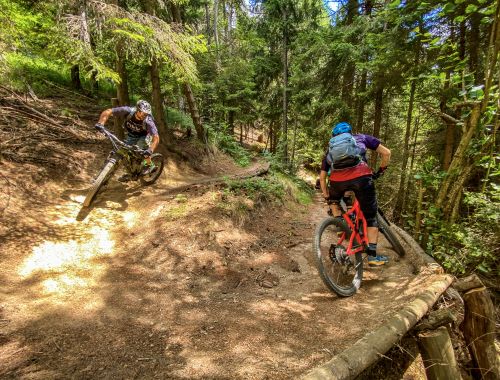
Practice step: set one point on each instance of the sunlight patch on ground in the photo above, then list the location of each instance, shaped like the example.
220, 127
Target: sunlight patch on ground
54, 256
69, 269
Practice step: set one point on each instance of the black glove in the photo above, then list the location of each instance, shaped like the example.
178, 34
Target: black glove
379, 172
99, 127
148, 152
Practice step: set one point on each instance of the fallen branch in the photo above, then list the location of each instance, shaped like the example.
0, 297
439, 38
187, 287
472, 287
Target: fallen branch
259, 171
442, 115
366, 351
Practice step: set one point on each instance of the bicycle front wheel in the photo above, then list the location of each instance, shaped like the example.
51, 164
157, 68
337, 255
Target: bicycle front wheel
101, 179
340, 272
159, 162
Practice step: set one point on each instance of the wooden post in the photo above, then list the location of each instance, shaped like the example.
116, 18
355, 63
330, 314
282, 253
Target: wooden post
479, 333
117, 122
437, 354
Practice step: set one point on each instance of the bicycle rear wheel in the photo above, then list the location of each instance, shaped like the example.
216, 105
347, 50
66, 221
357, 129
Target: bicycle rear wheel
101, 179
340, 272
159, 161
390, 235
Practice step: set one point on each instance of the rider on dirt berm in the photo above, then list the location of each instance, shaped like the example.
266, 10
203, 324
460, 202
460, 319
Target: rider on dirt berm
356, 176
140, 130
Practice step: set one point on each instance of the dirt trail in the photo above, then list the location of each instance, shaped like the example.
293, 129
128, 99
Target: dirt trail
149, 286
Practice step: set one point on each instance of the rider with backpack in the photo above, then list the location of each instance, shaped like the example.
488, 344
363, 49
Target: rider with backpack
346, 161
140, 130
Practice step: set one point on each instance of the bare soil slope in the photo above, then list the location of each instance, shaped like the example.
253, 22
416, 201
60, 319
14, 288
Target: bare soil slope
150, 285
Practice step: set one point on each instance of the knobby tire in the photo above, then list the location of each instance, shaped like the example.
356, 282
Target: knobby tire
101, 179
159, 160
390, 235
325, 263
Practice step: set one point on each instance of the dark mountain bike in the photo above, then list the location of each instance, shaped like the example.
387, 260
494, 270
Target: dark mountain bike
339, 243
132, 158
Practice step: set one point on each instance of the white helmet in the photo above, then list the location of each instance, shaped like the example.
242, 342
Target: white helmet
144, 106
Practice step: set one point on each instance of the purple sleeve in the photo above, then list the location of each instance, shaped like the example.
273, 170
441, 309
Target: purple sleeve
324, 165
151, 127
121, 111
370, 142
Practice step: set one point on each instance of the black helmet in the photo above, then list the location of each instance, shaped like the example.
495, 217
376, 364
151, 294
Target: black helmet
144, 106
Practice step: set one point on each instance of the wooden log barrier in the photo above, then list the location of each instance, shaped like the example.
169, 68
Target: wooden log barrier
438, 355
479, 332
366, 351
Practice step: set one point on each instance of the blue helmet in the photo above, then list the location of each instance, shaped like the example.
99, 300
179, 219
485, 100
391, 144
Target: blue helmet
342, 127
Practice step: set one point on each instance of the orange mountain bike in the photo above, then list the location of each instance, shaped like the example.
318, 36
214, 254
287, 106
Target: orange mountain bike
339, 244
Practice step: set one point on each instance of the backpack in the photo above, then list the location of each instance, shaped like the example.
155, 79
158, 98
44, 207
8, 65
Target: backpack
343, 152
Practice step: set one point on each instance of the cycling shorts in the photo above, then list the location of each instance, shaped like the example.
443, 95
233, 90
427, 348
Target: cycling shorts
364, 189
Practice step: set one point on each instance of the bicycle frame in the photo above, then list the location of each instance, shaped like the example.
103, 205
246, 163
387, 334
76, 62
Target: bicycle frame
355, 221
123, 150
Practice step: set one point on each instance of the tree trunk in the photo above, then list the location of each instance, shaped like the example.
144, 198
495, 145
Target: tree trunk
294, 140
157, 96
412, 160
216, 33
195, 115
398, 208
230, 121
360, 101
122, 87
437, 355
479, 332
285, 85
377, 120
122, 92
208, 29
188, 92
350, 69
418, 215
455, 192
75, 77
449, 140
459, 156
474, 42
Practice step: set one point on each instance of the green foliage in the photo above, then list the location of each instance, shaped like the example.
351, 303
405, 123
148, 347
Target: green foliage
258, 189
178, 119
226, 143
21, 70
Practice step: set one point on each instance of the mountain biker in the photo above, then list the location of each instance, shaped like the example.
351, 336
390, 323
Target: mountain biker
140, 130
359, 179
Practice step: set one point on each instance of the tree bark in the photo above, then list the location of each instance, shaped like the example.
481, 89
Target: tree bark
459, 156
350, 69
157, 96
398, 208
437, 355
360, 102
285, 85
122, 92
75, 77
216, 33
418, 215
479, 333
195, 114
122, 87
188, 92
377, 119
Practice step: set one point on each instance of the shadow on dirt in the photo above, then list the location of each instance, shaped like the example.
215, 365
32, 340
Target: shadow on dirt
186, 293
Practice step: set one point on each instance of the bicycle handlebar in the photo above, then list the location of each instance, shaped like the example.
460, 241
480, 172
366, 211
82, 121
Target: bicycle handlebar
117, 142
